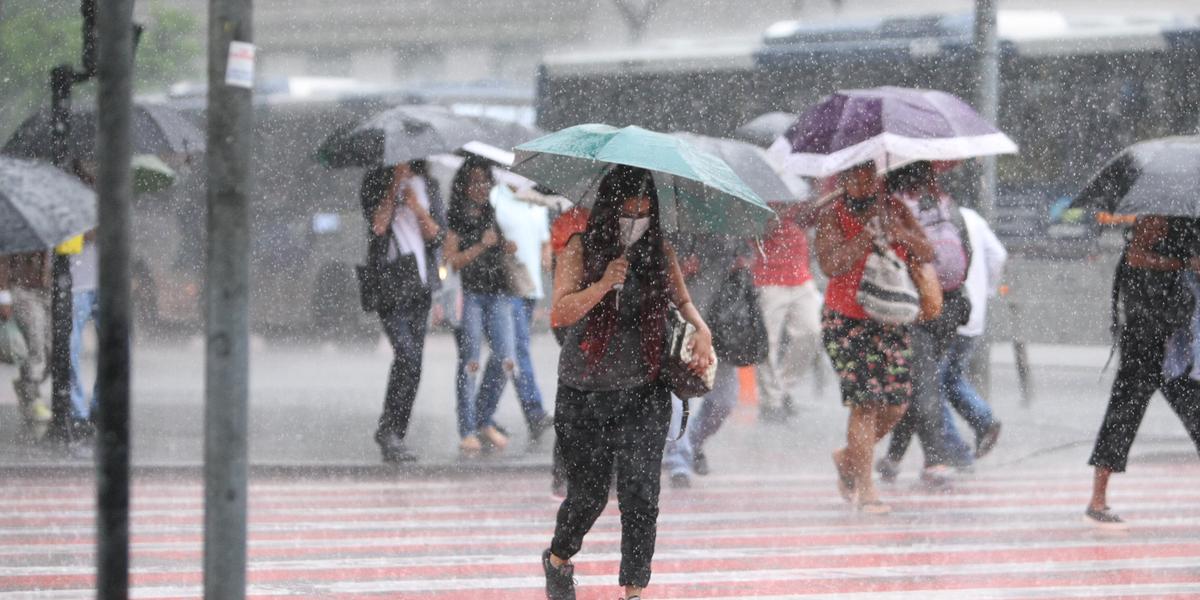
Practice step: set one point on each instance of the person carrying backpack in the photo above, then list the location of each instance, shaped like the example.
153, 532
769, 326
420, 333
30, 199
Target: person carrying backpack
917, 187
869, 350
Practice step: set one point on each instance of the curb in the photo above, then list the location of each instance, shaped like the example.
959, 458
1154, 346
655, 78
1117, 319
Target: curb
286, 470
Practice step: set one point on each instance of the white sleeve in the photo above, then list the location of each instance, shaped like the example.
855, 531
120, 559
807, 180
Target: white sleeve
994, 252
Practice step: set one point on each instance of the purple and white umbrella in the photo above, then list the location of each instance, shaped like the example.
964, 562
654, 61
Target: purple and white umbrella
890, 125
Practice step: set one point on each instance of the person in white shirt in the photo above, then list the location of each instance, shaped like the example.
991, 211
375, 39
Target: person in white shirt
528, 226
983, 280
407, 225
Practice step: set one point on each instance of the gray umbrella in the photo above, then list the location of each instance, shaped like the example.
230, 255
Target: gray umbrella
41, 206
748, 161
156, 130
410, 132
765, 128
1155, 177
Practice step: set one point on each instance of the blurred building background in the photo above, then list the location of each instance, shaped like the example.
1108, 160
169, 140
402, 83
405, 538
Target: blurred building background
428, 41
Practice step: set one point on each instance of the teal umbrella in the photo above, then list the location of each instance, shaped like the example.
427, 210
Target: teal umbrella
696, 191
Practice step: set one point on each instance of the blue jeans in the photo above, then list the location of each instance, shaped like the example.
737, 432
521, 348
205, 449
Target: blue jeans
494, 376
959, 392
85, 307
927, 414
482, 315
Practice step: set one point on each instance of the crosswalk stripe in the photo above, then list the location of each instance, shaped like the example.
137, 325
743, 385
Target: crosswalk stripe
1012, 535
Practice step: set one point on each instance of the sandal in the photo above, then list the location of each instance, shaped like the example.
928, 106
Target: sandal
845, 480
493, 439
470, 447
874, 507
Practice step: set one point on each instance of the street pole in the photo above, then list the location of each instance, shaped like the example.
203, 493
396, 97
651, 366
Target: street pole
62, 80
226, 348
61, 430
987, 99
113, 65
987, 48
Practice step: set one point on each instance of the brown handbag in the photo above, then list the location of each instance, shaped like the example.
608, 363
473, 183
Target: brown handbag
925, 278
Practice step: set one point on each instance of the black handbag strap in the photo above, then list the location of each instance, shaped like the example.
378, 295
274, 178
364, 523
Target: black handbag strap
683, 419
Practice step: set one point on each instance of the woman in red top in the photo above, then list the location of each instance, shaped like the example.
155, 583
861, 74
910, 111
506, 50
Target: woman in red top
871, 358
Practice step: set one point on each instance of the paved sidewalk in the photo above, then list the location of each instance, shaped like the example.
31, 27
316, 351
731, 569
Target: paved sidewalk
313, 408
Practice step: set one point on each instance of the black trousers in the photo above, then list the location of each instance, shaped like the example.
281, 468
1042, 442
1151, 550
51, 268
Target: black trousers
603, 432
1143, 347
405, 326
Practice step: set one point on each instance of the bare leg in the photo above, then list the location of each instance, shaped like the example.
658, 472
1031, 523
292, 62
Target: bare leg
1100, 489
860, 450
888, 417
632, 590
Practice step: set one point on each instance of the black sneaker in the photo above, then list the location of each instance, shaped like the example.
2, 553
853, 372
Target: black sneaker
987, 441
700, 464
391, 446
888, 469
560, 581
1104, 519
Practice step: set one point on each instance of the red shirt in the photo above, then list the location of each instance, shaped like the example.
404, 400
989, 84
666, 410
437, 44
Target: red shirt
784, 260
566, 225
841, 294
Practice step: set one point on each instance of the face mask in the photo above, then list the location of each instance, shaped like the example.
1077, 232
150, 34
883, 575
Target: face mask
632, 229
860, 205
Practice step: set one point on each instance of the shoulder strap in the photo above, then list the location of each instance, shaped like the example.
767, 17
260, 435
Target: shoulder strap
960, 225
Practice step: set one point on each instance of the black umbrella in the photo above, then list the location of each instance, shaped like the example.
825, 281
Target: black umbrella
765, 128
41, 206
1155, 177
156, 130
405, 133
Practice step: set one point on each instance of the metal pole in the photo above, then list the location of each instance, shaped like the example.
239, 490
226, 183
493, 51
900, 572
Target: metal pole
988, 93
62, 79
226, 354
114, 190
988, 101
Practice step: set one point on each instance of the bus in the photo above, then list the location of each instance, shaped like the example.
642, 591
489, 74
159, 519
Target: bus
1074, 90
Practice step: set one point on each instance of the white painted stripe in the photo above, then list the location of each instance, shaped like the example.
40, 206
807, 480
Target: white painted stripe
931, 520
1081, 591
530, 556
737, 577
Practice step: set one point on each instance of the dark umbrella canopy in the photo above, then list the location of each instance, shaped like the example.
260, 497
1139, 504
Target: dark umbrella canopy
764, 129
156, 130
891, 126
41, 206
405, 133
1155, 177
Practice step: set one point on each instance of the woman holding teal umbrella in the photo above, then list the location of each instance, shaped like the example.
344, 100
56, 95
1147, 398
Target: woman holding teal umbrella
612, 407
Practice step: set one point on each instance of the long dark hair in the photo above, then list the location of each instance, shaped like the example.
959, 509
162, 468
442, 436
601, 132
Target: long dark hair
459, 202
913, 177
647, 262
377, 181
